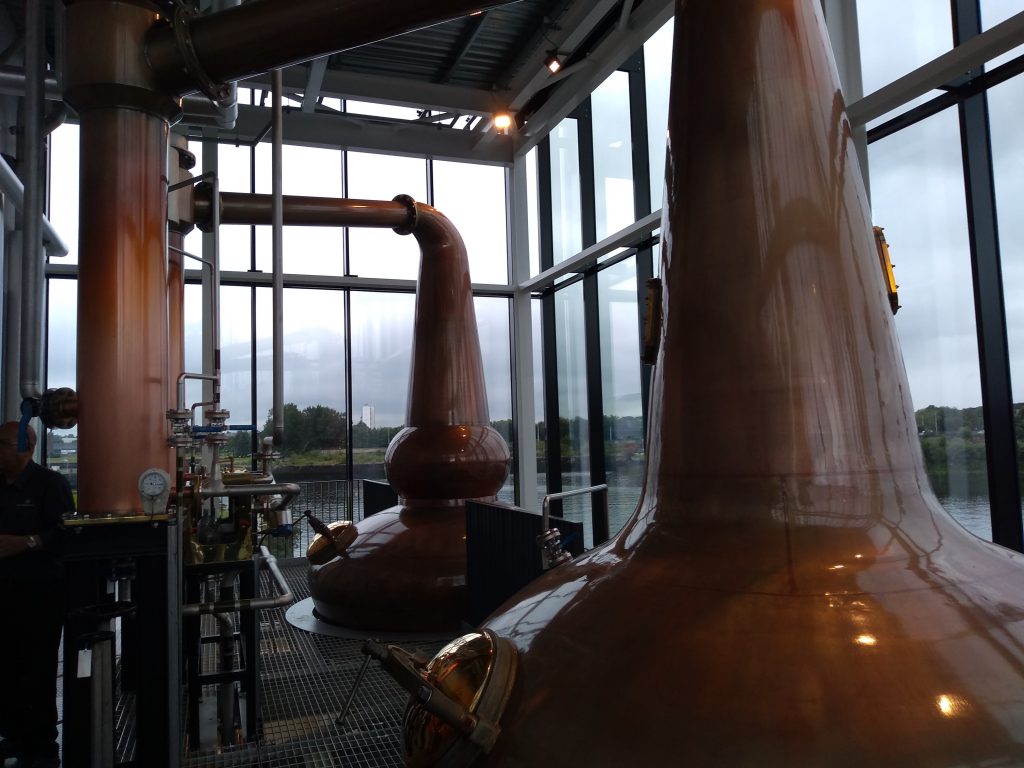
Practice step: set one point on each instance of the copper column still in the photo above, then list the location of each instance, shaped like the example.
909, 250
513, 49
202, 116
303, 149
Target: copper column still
122, 307
406, 568
789, 591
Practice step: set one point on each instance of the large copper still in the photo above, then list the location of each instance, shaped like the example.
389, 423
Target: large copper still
789, 591
404, 569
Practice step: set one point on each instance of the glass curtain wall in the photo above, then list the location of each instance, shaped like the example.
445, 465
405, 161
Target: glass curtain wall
944, 187
333, 334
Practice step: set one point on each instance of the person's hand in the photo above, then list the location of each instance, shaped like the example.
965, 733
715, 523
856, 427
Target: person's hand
11, 545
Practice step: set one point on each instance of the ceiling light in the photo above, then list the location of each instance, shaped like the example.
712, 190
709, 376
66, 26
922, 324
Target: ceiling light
553, 62
502, 121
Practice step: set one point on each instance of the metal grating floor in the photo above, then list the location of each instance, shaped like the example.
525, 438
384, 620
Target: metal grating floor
304, 682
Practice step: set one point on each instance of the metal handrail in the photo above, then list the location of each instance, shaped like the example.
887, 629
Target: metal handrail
546, 508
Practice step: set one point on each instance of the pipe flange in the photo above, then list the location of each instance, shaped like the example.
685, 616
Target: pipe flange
214, 418
220, 93
410, 225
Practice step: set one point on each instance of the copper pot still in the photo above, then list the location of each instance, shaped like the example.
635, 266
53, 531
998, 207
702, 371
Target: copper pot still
789, 591
404, 569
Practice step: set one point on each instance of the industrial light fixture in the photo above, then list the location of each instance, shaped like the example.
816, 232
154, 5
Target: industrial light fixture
553, 62
502, 121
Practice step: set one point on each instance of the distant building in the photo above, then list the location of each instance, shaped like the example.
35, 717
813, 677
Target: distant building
369, 417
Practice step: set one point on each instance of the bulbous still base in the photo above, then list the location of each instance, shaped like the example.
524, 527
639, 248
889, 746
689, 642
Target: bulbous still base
848, 626
404, 572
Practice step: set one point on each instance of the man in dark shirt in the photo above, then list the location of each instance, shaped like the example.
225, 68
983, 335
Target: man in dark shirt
33, 502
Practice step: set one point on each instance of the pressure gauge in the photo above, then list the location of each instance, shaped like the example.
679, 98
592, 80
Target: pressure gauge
155, 489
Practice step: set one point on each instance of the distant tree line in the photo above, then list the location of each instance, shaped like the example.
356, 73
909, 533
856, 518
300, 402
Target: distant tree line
952, 440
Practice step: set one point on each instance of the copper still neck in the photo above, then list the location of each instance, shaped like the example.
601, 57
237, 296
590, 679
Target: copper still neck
788, 592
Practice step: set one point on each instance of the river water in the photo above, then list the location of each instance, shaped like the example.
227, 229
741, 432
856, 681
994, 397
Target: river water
972, 513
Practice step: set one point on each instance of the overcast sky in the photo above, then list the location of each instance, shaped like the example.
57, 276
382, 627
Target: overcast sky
917, 195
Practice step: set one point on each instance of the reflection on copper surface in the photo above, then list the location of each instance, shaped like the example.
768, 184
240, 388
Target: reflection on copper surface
406, 568
782, 444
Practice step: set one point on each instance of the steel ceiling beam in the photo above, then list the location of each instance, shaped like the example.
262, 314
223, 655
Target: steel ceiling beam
392, 90
466, 40
369, 134
613, 50
314, 81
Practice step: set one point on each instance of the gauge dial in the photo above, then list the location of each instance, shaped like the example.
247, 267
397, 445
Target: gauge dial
154, 483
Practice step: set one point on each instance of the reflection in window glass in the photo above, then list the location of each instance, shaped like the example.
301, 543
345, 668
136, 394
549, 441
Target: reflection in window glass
658, 73
613, 155
897, 38
918, 196
382, 326
492, 320
1005, 102
61, 446
538, 404
572, 404
532, 210
62, 327
565, 191
473, 197
193, 341
314, 376
312, 171
380, 252
64, 191
620, 388
234, 167
236, 364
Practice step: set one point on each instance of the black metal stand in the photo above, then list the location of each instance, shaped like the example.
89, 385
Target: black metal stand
246, 670
98, 554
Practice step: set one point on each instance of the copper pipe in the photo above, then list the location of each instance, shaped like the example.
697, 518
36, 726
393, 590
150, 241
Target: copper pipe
406, 568
246, 208
788, 591
270, 34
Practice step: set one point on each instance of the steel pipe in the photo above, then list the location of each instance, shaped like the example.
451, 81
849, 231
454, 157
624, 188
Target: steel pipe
284, 596
12, 187
270, 34
277, 258
33, 288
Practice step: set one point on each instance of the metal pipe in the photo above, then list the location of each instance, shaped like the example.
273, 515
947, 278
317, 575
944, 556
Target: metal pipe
32, 284
270, 34
12, 83
12, 187
196, 109
181, 386
255, 209
277, 224
215, 295
283, 597
546, 507
287, 490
